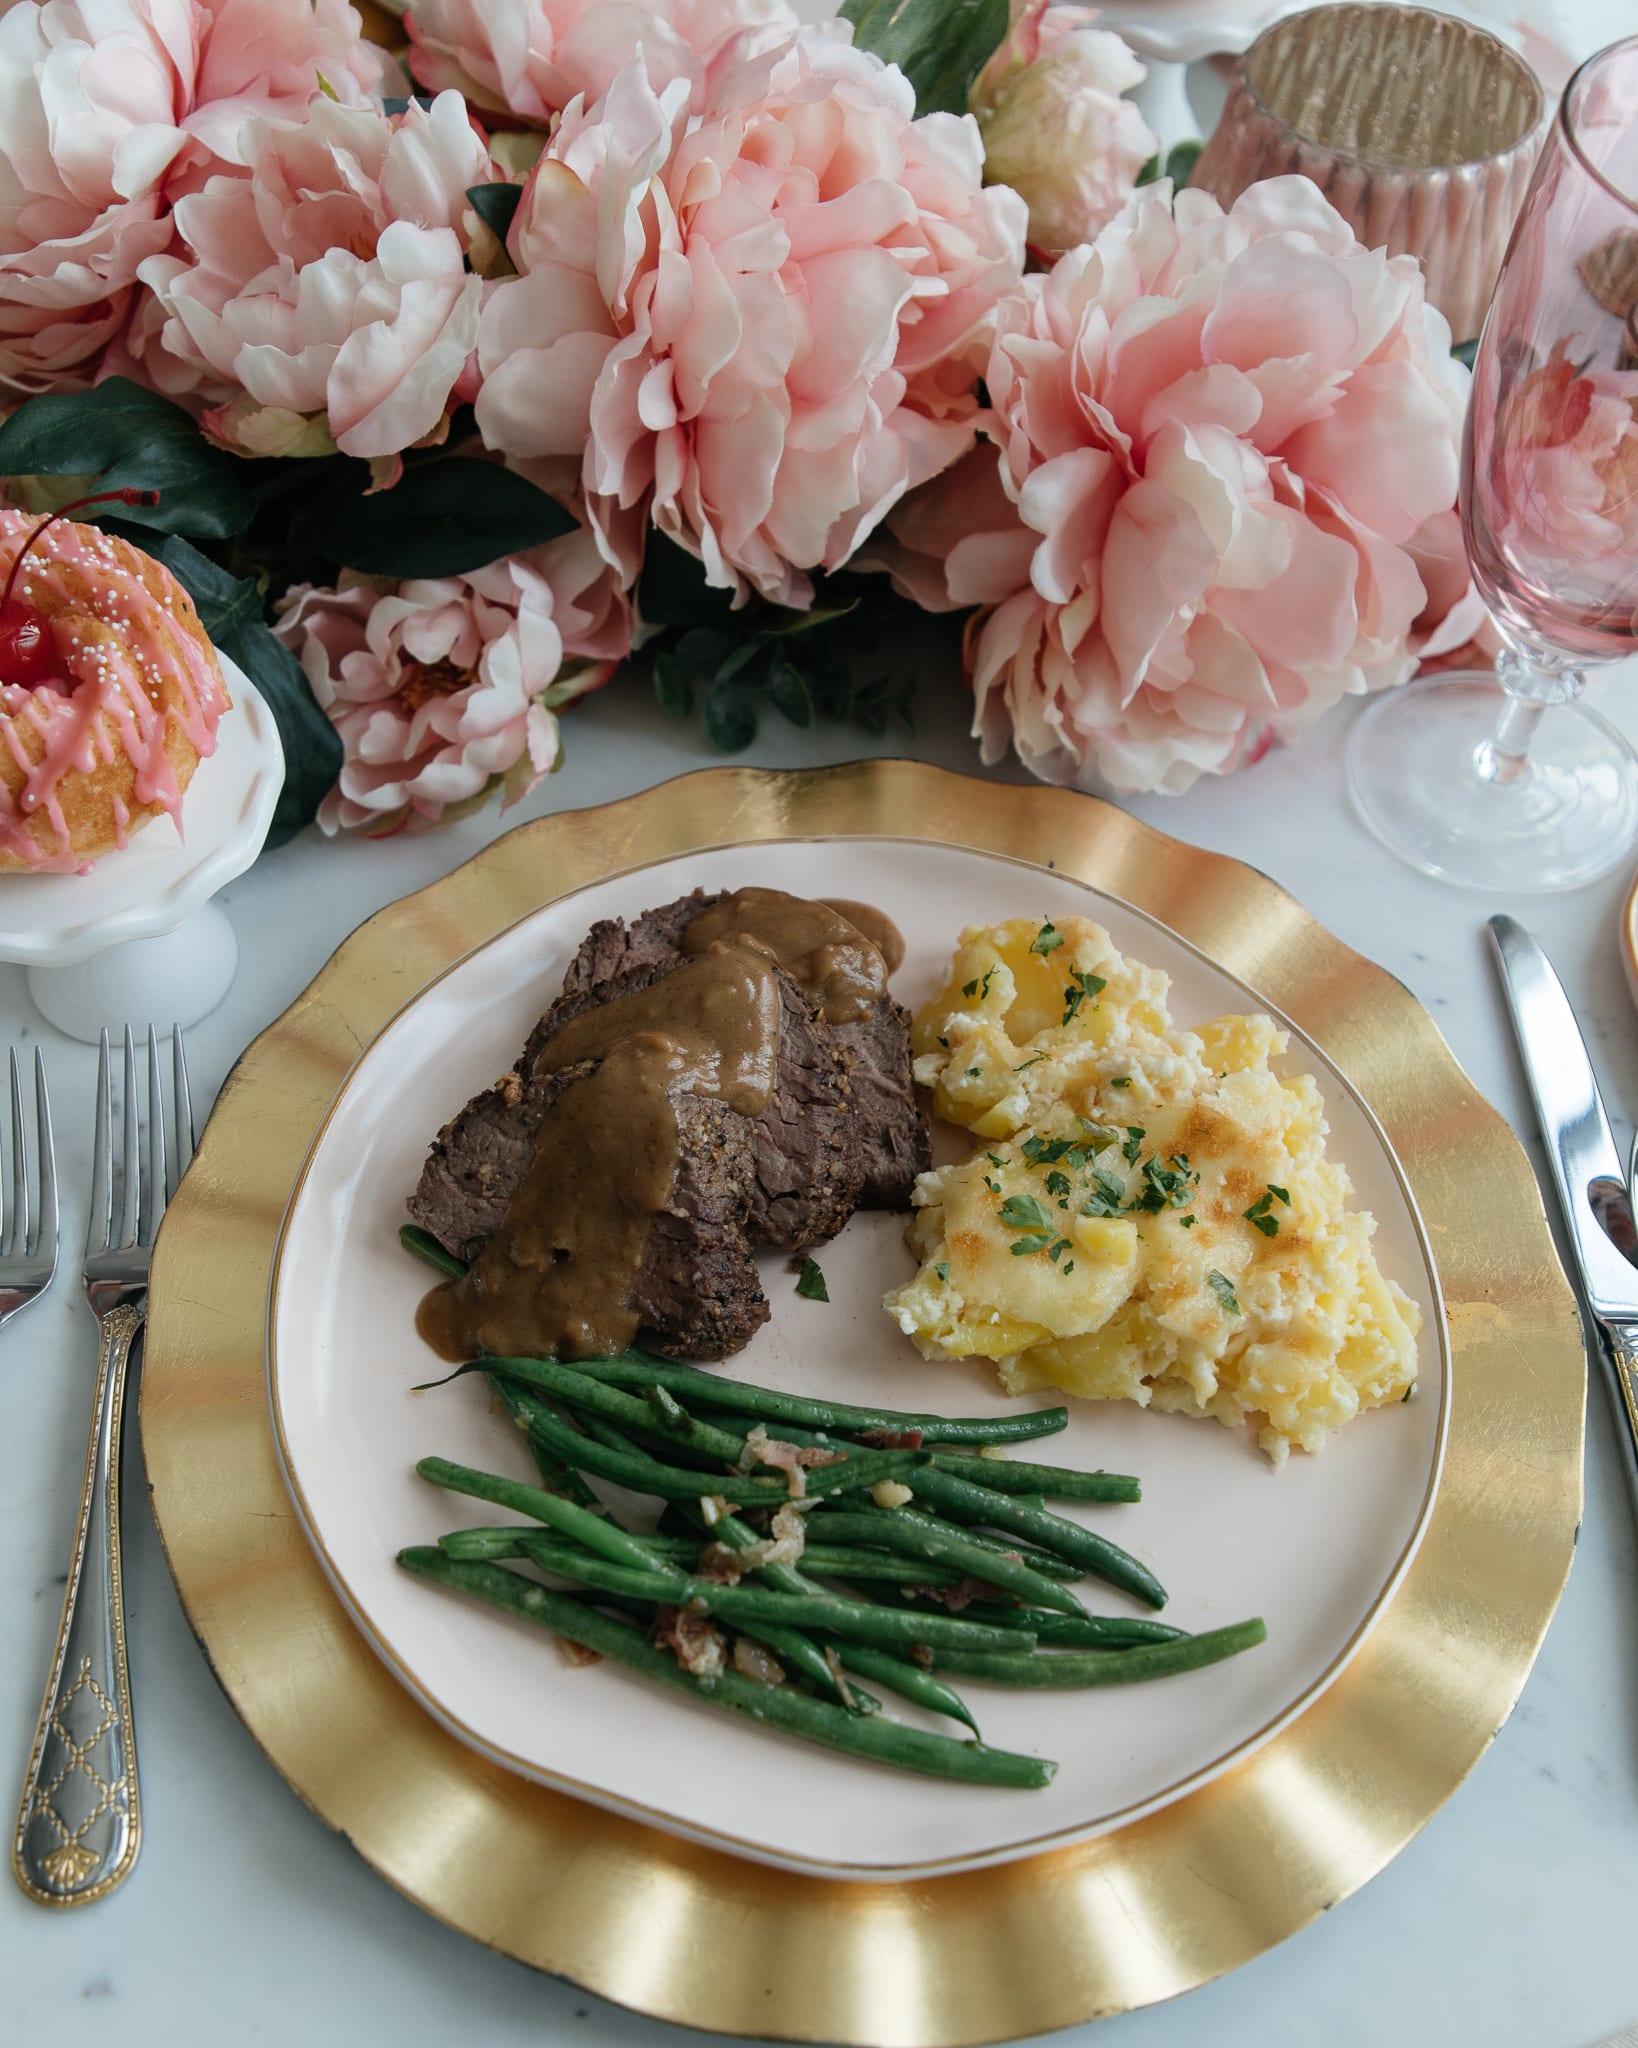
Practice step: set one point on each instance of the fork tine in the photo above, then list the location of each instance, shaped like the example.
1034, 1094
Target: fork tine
130, 1167
101, 1223
183, 1104
45, 1226
14, 1216
154, 1190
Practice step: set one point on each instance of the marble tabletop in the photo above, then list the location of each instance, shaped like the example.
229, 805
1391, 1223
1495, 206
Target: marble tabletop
1507, 1921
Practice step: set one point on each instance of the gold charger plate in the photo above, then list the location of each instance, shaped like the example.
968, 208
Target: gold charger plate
1139, 1915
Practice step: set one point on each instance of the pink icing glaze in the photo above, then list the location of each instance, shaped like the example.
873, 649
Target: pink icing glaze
99, 703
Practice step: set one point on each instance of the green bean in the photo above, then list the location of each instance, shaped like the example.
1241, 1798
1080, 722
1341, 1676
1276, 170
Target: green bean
643, 1474
1051, 1482
1065, 1632
825, 1560
555, 1476
909, 1681
425, 1246
916, 1535
1065, 1669
779, 1706
803, 1655
752, 1606
566, 1383
635, 1368
1093, 1553
568, 1519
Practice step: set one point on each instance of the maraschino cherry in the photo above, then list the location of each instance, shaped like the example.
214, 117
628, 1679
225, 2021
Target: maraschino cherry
28, 646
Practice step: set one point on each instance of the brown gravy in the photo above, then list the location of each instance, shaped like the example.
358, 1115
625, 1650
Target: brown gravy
557, 1279
826, 951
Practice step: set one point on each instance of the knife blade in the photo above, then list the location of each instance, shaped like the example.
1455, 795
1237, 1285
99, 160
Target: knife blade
1586, 1168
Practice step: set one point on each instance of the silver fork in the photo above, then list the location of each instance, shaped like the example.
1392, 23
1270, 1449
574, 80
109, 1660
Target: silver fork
80, 1824
28, 1214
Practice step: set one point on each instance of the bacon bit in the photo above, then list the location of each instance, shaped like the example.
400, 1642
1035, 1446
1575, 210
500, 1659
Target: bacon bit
891, 1439
576, 1653
959, 1596
692, 1638
752, 1661
795, 1460
784, 1545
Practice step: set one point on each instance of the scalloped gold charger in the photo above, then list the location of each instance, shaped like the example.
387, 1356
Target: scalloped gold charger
1135, 1915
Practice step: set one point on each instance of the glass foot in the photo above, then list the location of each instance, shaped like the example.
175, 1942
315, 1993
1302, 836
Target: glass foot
1422, 777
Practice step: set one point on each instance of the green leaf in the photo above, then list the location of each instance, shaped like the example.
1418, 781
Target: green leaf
1149, 172
125, 436
1223, 1287
495, 205
441, 518
1181, 159
939, 45
730, 717
230, 609
788, 691
811, 1283
672, 590
1466, 351
673, 683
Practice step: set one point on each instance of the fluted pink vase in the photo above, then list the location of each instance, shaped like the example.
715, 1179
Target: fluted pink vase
1420, 129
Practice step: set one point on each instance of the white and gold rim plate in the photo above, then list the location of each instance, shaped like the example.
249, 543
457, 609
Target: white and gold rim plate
1139, 1910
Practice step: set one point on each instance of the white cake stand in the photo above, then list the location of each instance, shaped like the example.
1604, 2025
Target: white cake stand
138, 940
1170, 35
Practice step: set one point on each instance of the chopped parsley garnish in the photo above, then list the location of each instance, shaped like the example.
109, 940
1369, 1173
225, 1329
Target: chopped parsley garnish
1105, 1197
1121, 1081
978, 988
1056, 1251
1058, 1184
996, 1158
1047, 940
993, 1185
1165, 1187
1080, 989
811, 1282
1223, 1287
1024, 1212
1187, 1222
1070, 1267
973, 1070
1135, 1135
942, 1270
1033, 1062
1258, 1214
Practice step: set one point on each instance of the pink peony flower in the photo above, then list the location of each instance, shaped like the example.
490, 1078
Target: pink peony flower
1055, 125
445, 690
324, 300
109, 109
768, 326
527, 59
1225, 441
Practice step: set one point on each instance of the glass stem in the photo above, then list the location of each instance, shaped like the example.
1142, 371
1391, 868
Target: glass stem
1532, 683
1505, 756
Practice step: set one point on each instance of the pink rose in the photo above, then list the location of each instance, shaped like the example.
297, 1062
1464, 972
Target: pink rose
324, 300
766, 325
447, 689
108, 109
1223, 440
1055, 125
528, 59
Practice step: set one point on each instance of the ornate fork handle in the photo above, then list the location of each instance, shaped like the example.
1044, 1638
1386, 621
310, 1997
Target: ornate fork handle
80, 1824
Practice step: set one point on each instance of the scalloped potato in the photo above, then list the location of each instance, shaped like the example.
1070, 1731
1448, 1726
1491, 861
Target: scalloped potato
1149, 1214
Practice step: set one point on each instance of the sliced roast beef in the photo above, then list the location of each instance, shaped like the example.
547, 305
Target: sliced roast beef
697, 1292
808, 1166
887, 1132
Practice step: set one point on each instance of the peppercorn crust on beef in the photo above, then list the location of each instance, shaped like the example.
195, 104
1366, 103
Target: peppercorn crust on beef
1149, 1214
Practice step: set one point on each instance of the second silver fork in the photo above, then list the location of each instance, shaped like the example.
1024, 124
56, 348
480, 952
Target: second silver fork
80, 1824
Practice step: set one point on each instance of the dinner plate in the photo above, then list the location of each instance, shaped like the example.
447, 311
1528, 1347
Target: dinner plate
1314, 1548
1134, 1913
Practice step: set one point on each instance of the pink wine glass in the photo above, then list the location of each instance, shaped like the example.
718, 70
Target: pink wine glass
1508, 781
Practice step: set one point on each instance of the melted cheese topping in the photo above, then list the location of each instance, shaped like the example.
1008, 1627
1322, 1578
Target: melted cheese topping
1097, 1241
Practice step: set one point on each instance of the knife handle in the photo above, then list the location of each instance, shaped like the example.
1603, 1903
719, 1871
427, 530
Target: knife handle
1621, 1351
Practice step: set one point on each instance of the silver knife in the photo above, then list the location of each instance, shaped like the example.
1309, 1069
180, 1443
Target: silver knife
1586, 1169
